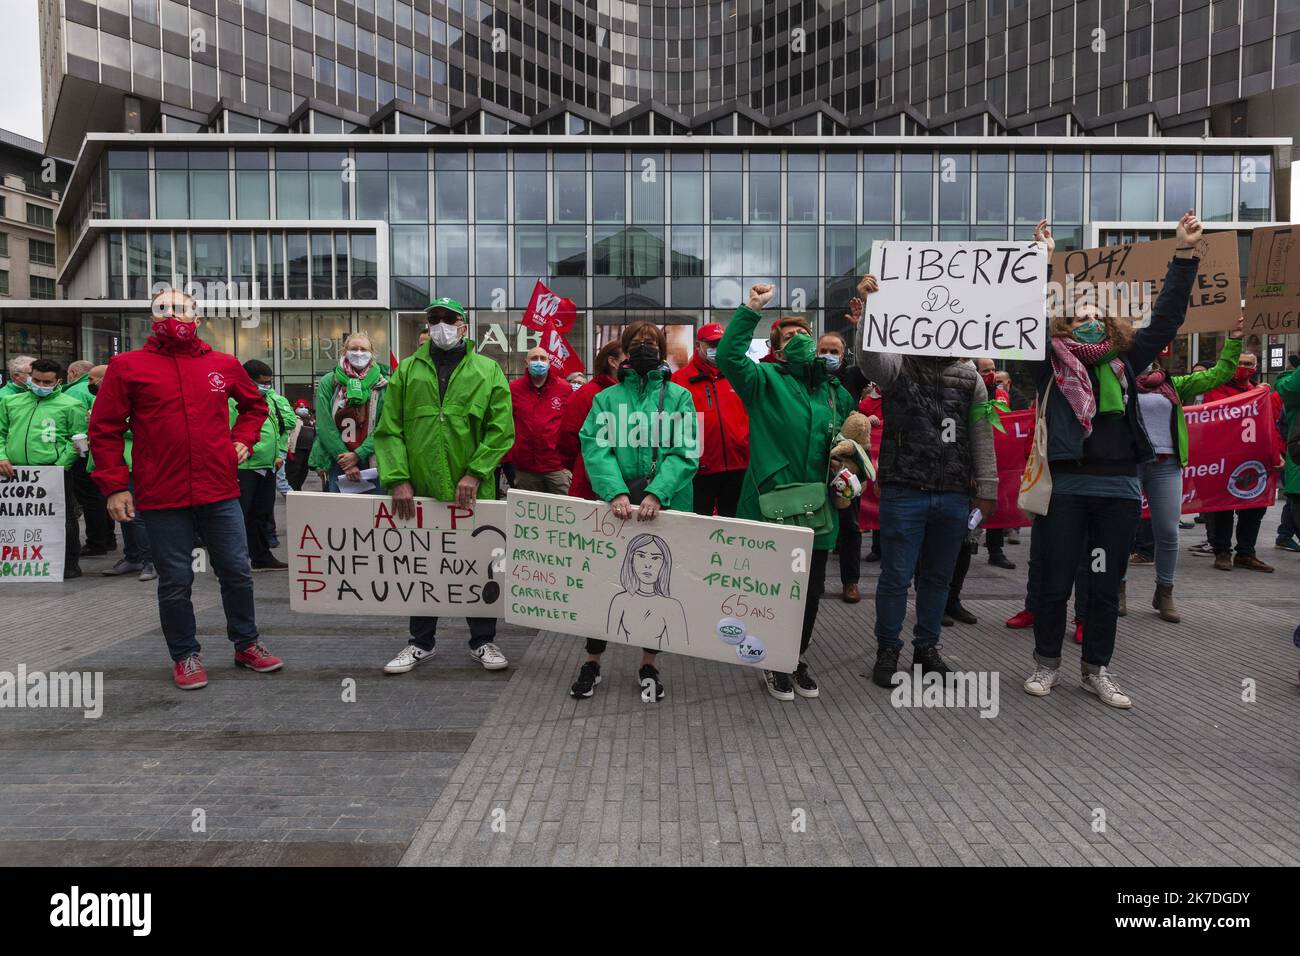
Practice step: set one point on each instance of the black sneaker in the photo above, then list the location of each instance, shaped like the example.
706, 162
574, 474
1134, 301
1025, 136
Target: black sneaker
999, 560
779, 685
804, 685
959, 613
588, 678
886, 667
873, 557
71, 571
270, 564
650, 682
930, 661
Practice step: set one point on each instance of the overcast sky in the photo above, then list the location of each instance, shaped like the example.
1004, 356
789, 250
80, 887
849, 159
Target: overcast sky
20, 69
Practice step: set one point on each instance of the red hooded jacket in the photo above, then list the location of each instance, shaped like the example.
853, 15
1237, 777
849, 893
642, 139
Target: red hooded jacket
726, 424
537, 422
175, 401
566, 443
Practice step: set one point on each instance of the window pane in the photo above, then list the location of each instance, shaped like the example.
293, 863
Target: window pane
173, 195
210, 190
291, 194
408, 196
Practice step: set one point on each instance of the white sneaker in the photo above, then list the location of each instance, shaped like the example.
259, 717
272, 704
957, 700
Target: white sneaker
1104, 686
405, 661
490, 656
1042, 680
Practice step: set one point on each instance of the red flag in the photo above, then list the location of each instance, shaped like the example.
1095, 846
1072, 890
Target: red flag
392, 362
564, 359
547, 311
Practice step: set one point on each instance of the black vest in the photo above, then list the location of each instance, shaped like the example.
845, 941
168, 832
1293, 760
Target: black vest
930, 399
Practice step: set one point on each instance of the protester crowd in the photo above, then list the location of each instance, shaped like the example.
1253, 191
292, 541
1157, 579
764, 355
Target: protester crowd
183, 447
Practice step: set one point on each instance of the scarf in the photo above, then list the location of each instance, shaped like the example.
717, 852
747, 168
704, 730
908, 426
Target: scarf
357, 385
1157, 381
1071, 360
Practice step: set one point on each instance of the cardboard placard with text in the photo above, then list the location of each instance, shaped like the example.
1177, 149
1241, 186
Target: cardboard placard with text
978, 299
1127, 279
723, 589
1273, 281
33, 524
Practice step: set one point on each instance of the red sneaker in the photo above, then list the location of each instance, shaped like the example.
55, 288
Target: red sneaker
1022, 620
1078, 631
189, 673
257, 658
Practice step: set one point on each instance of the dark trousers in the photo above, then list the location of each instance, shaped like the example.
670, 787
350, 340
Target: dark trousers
71, 533
482, 630
296, 471
171, 537
135, 537
1144, 539
849, 544
719, 490
816, 585
94, 507
1219, 526
1106, 524
256, 498
1033, 589
1286, 527
994, 540
959, 571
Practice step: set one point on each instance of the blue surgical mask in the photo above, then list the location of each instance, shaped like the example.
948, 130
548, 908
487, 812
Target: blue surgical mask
538, 368
41, 391
712, 355
1090, 332
264, 388
832, 362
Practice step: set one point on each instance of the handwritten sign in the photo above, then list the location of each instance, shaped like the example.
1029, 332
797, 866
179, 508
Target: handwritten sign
1126, 280
351, 554
1273, 282
978, 299
32, 524
719, 588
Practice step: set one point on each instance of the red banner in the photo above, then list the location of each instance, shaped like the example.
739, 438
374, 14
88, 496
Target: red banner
548, 312
1232, 446
564, 360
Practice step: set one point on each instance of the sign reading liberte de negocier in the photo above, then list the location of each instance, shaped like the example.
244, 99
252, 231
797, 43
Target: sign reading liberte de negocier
351, 554
977, 299
722, 589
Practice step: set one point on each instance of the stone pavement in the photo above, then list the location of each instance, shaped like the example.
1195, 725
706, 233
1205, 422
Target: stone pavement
454, 765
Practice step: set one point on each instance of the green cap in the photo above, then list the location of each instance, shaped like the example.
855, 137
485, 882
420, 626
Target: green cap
451, 305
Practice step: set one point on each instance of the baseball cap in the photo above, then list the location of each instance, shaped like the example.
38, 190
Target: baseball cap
709, 333
451, 305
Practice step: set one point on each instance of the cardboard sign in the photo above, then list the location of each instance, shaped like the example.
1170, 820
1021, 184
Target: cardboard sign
977, 299
1126, 280
32, 524
718, 588
1273, 282
350, 554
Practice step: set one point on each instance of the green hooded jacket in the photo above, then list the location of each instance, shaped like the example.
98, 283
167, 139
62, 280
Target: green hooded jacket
273, 443
1288, 388
329, 442
80, 390
434, 440
792, 421
1198, 383
619, 437
38, 431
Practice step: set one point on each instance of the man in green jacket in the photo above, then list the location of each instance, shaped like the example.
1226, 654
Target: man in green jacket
257, 471
795, 411
445, 427
36, 428
20, 369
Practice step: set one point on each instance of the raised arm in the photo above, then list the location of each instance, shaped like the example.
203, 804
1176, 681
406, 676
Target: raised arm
879, 367
1197, 383
733, 351
1171, 306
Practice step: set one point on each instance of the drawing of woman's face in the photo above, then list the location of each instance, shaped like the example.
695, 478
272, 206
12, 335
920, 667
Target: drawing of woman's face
647, 563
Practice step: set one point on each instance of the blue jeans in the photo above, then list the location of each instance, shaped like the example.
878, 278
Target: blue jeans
920, 534
1163, 483
171, 535
135, 539
1286, 529
336, 473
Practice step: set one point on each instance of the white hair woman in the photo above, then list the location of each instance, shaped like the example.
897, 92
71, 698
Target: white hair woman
349, 401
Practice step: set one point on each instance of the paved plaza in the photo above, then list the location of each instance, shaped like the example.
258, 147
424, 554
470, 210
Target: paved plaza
451, 764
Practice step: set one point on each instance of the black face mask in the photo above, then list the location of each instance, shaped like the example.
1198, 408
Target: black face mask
643, 358
92, 388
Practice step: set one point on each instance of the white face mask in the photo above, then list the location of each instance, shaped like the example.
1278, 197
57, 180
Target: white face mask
358, 358
443, 336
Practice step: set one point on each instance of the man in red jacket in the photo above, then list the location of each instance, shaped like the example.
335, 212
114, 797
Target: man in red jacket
725, 454
173, 397
1218, 524
539, 399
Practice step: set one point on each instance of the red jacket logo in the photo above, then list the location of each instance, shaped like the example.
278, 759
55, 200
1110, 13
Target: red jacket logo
217, 381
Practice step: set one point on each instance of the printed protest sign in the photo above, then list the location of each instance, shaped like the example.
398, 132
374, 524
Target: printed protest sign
1126, 280
32, 524
978, 299
350, 554
718, 588
1273, 282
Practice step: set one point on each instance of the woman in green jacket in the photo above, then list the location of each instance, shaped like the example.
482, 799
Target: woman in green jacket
795, 411
349, 401
1160, 402
641, 436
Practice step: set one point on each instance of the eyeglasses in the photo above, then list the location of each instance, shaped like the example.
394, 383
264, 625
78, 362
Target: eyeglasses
444, 317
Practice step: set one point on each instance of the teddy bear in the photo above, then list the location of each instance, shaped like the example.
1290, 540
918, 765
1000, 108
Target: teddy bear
851, 463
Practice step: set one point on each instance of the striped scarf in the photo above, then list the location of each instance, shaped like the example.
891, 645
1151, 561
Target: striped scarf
1071, 360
